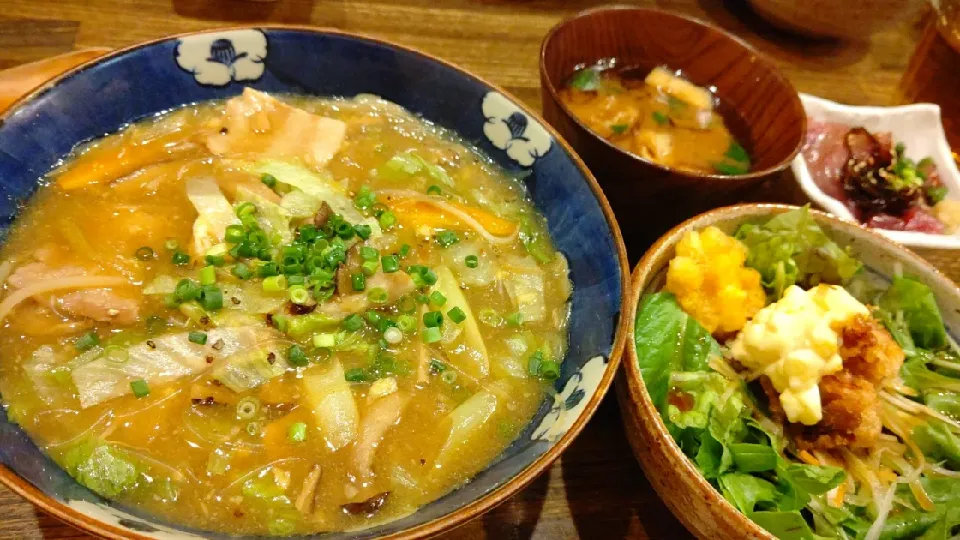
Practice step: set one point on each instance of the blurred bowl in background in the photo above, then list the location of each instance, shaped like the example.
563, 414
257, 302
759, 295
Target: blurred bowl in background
844, 19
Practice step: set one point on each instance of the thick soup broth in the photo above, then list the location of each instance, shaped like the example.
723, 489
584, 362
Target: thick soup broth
278, 317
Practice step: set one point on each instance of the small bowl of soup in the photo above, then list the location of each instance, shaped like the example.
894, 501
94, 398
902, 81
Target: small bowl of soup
264, 282
672, 115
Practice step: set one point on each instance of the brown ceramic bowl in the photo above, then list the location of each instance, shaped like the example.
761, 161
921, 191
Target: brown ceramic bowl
756, 99
850, 19
700, 507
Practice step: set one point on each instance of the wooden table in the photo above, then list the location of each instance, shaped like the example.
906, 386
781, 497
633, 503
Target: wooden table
596, 490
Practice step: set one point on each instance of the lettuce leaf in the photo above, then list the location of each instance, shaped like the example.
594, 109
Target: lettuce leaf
745, 491
791, 249
918, 306
669, 340
937, 442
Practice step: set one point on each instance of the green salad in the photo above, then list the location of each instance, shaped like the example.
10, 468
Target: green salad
854, 438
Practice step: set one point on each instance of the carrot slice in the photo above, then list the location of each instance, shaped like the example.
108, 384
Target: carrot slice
420, 213
106, 164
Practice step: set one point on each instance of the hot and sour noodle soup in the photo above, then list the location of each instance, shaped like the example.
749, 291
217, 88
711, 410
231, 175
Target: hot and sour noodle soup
279, 316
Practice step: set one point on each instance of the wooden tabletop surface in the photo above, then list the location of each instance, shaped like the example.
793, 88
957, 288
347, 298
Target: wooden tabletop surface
596, 490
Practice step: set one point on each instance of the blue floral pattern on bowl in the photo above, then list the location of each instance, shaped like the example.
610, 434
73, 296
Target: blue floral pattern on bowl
142, 81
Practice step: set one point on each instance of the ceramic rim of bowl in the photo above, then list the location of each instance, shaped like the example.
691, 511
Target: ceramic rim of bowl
636, 389
761, 58
485, 502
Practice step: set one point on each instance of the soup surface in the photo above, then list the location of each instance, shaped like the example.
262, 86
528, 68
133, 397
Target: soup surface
661, 117
279, 316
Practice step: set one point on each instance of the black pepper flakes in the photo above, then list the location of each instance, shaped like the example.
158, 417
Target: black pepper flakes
235, 300
271, 358
204, 320
209, 359
151, 344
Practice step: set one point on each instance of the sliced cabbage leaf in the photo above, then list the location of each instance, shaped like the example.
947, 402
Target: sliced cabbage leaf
100, 467
465, 422
468, 352
328, 395
319, 186
524, 284
163, 359
215, 213
40, 370
273, 218
300, 205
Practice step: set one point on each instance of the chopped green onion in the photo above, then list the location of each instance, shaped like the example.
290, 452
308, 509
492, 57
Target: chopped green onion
145, 253
472, 261
234, 234
365, 198
296, 356
431, 335
269, 180
730, 169
407, 323
269, 269
359, 281
393, 335
437, 366
200, 338
586, 79
296, 279
280, 322
355, 375
208, 275
241, 270
140, 388
449, 377
275, 283
325, 341
248, 407
457, 315
362, 230
937, 194
437, 298
299, 294
345, 231
245, 209
423, 299
186, 290
447, 238
428, 276
432, 319
367, 253
387, 219
619, 129
404, 250
253, 428
377, 295
434, 190
307, 233
211, 297
352, 323
549, 370
215, 260
515, 319
180, 258
660, 118
171, 244
390, 263
369, 268
297, 432
533, 364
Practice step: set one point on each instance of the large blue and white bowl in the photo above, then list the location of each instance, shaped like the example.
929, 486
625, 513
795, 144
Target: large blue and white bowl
104, 95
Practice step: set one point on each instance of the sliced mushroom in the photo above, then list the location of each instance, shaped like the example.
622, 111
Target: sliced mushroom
368, 507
